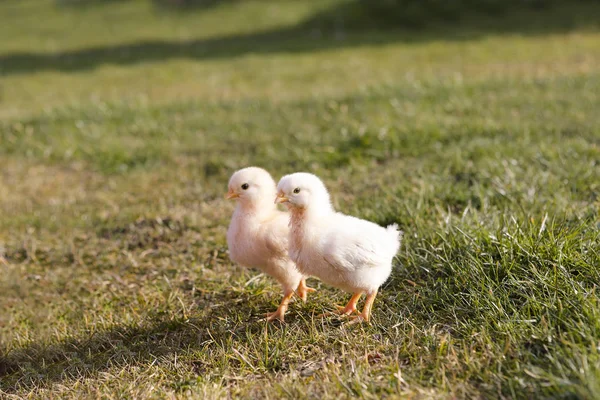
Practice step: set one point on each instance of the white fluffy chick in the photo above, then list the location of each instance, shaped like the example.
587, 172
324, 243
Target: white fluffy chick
346, 252
258, 234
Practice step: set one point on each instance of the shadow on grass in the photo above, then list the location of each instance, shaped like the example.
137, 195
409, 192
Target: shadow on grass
187, 5
161, 5
346, 25
40, 365
85, 3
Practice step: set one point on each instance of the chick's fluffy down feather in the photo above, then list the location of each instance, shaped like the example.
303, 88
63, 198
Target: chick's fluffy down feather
261, 241
346, 252
258, 233
352, 254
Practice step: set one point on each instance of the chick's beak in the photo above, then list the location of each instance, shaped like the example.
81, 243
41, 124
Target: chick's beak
281, 198
231, 195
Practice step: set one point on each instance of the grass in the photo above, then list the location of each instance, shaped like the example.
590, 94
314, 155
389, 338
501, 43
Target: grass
121, 122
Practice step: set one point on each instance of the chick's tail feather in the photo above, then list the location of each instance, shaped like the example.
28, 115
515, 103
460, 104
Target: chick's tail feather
395, 235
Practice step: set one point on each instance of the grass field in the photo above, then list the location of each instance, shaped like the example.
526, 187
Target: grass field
120, 123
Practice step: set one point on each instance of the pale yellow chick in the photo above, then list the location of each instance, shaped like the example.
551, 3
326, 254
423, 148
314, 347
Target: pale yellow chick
258, 234
346, 252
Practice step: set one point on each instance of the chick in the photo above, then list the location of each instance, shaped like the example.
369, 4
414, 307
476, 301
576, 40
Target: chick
346, 252
258, 234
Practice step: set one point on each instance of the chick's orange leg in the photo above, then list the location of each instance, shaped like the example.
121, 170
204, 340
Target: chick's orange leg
304, 290
365, 315
349, 309
351, 306
283, 306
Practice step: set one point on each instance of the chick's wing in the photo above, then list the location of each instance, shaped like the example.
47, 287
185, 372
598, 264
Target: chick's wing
276, 235
352, 244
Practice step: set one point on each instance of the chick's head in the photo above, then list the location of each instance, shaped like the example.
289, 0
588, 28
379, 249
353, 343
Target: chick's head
303, 191
251, 186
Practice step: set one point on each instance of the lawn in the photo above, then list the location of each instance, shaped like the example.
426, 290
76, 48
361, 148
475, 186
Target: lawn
121, 122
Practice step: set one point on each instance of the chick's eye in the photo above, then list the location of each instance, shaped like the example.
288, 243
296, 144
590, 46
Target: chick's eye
297, 190
245, 186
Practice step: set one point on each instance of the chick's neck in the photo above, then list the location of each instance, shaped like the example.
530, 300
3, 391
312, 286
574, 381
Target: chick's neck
255, 208
311, 213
